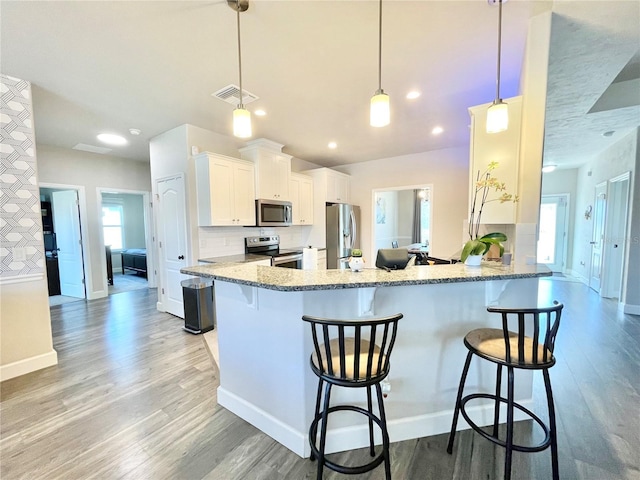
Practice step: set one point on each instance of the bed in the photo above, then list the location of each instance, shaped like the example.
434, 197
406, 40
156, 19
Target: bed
134, 259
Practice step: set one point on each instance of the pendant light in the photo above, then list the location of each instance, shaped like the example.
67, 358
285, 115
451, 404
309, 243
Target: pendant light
380, 113
241, 116
498, 112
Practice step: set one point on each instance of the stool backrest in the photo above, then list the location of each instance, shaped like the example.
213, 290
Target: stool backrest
536, 330
352, 351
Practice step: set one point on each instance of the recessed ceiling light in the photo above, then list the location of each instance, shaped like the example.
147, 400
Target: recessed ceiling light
437, 130
135, 131
332, 145
260, 113
111, 139
413, 94
548, 168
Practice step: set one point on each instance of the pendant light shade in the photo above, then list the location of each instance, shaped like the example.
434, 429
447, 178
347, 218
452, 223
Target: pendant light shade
380, 114
498, 113
241, 116
497, 117
241, 122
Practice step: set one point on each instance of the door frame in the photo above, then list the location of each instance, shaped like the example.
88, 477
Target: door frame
148, 232
84, 234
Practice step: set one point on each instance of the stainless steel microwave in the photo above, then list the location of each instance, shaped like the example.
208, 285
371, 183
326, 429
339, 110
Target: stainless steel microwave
273, 213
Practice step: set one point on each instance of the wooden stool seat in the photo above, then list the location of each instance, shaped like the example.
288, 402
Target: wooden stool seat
489, 343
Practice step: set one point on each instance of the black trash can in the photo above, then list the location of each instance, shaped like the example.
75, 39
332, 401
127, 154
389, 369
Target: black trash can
199, 307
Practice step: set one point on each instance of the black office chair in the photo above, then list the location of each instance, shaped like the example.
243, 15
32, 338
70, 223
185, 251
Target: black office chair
514, 350
352, 354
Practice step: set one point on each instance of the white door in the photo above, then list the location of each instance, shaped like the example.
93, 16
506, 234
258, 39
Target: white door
597, 239
553, 231
616, 233
172, 230
66, 221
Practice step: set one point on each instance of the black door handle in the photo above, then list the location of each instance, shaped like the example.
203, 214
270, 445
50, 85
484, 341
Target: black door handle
180, 257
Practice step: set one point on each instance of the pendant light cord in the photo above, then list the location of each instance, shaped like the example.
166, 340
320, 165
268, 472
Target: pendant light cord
380, 48
239, 54
499, 50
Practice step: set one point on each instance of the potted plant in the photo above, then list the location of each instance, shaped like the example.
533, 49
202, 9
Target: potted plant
477, 247
356, 262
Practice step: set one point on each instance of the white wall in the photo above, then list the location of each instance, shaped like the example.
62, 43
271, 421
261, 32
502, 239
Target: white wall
92, 171
447, 170
561, 182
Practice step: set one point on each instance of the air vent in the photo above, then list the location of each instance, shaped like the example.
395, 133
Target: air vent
91, 148
231, 94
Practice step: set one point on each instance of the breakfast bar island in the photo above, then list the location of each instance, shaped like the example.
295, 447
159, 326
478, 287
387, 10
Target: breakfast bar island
264, 346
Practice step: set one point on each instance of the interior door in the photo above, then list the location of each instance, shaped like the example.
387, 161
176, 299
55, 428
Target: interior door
597, 239
553, 231
616, 233
66, 220
172, 230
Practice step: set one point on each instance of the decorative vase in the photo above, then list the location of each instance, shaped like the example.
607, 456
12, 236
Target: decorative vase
356, 264
473, 260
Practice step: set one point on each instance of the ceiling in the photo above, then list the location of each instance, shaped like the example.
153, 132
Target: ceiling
153, 65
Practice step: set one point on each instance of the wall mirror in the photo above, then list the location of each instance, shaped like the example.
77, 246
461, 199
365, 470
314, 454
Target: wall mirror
402, 215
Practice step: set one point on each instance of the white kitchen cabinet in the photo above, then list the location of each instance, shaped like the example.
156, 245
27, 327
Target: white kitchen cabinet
225, 190
301, 192
504, 148
337, 187
272, 169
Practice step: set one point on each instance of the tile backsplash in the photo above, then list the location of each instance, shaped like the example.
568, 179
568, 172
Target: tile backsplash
222, 241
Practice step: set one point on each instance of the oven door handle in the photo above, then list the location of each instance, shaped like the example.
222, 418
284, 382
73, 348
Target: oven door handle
289, 258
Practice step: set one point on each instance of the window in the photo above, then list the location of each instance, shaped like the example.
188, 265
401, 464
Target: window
112, 224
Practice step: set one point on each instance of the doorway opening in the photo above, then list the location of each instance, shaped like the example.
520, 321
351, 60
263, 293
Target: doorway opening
553, 238
402, 217
125, 231
64, 243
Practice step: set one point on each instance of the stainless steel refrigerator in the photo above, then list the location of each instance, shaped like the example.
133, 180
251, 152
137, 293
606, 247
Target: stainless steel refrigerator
343, 222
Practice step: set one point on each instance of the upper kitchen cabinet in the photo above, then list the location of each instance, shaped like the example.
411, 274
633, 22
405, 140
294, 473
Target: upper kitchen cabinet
272, 168
332, 186
504, 148
225, 191
301, 190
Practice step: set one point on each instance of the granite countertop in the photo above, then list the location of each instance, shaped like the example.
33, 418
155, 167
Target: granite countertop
230, 260
291, 280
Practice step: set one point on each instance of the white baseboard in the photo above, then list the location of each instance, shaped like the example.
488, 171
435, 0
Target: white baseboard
28, 365
160, 307
576, 275
631, 309
353, 437
282, 433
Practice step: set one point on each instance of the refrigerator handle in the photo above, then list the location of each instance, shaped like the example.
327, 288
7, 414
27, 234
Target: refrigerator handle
354, 229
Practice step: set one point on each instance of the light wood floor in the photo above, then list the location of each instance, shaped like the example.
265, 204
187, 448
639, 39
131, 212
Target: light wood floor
134, 397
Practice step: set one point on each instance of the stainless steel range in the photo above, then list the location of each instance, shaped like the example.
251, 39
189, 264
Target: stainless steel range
270, 246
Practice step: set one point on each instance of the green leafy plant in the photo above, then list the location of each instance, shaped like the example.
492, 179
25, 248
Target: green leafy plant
356, 252
485, 184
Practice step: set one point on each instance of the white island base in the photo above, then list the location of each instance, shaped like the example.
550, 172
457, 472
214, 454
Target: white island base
264, 351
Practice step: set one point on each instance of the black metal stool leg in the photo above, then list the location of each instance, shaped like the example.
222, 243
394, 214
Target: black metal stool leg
552, 426
508, 456
323, 429
456, 411
312, 435
496, 412
385, 433
372, 451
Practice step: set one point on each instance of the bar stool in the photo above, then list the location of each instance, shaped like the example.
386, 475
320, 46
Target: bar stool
514, 350
353, 354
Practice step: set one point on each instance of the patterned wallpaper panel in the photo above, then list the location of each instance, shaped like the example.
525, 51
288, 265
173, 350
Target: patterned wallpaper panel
20, 218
